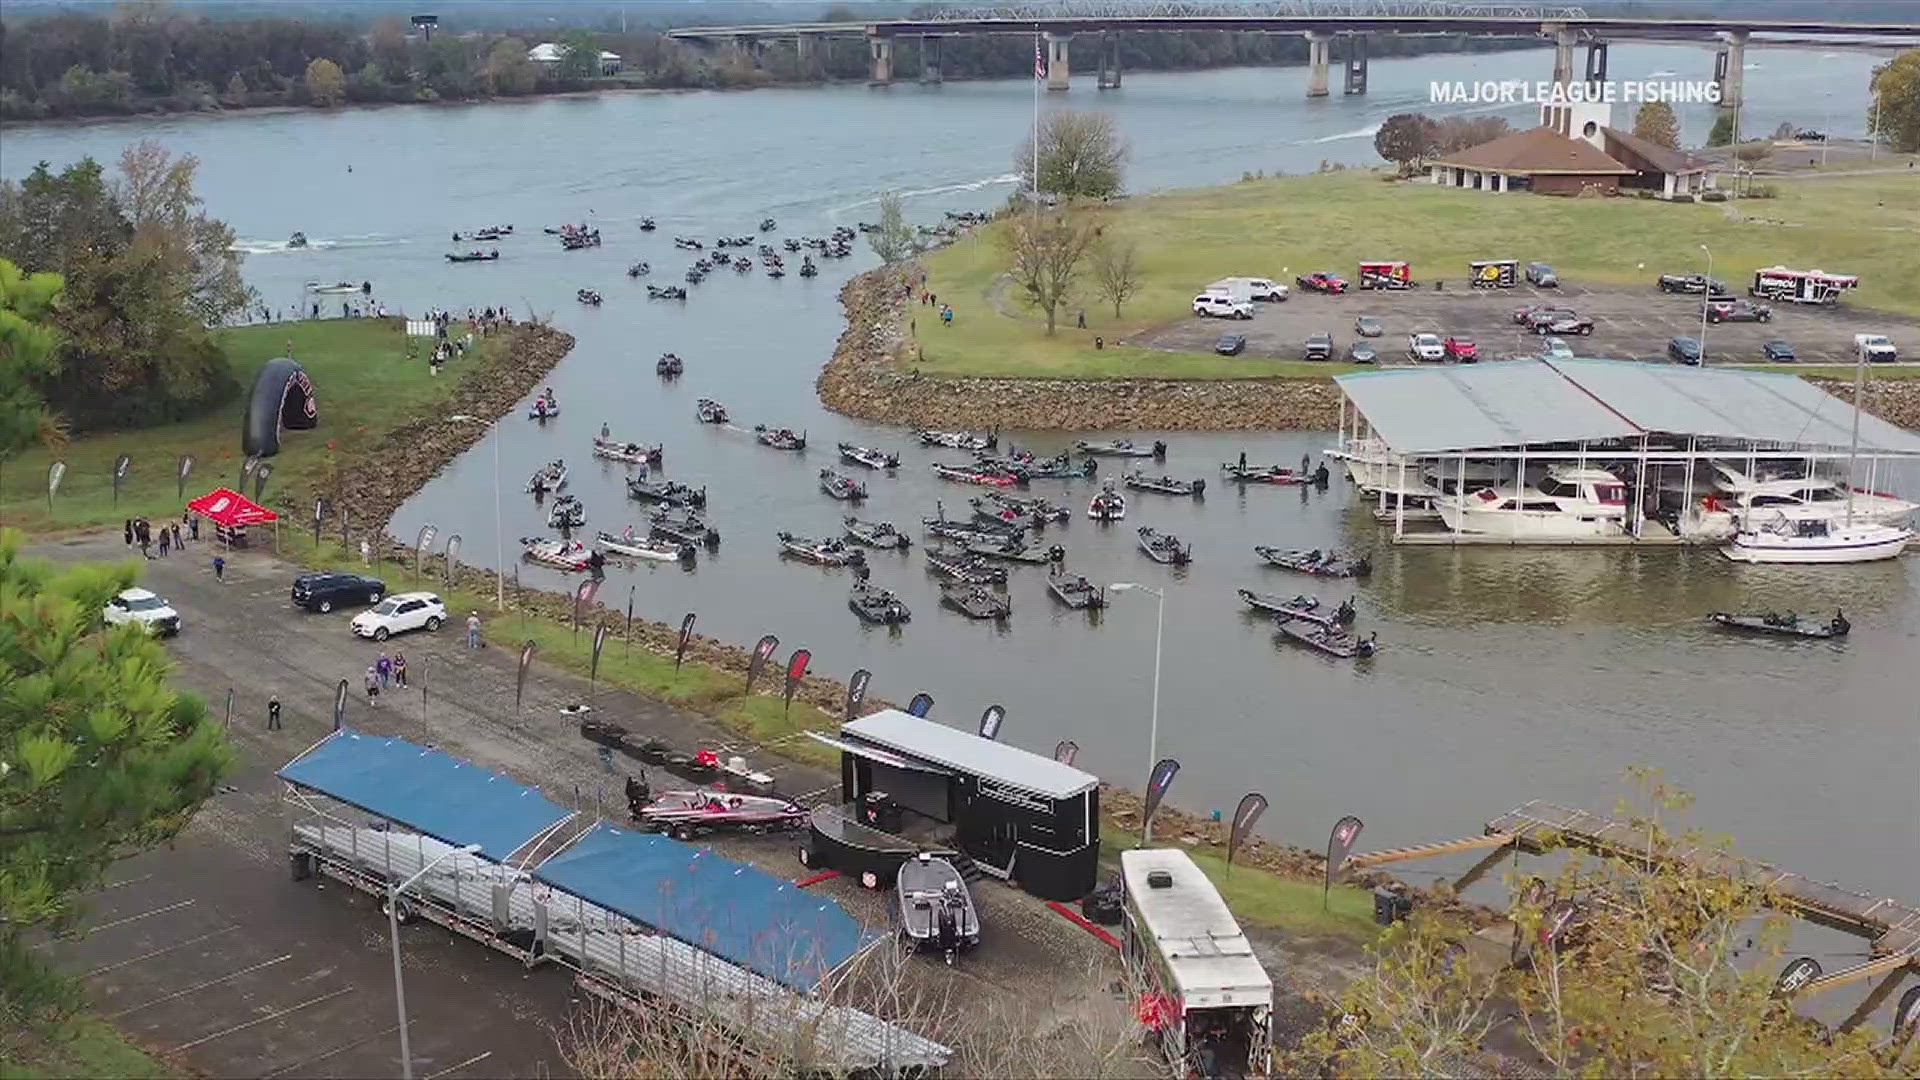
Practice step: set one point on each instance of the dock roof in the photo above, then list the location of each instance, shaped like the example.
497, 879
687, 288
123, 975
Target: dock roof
426, 790
1523, 402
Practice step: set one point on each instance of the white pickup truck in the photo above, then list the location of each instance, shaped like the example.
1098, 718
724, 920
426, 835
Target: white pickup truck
1875, 348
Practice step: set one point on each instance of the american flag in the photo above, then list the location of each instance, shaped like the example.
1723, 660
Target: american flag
1039, 61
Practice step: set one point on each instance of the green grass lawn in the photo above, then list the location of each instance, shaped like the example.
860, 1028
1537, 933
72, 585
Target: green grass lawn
76, 1046
1285, 226
1263, 898
361, 376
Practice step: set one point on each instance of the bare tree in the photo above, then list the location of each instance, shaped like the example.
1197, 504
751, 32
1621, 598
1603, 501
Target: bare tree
1081, 156
1046, 251
1116, 272
894, 239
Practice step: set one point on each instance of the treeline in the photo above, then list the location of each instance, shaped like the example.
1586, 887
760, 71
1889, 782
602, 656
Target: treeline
150, 58
143, 274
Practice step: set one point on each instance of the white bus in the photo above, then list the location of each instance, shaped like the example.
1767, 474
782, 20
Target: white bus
1206, 995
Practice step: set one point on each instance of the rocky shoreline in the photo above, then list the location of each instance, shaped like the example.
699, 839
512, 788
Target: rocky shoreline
400, 462
870, 376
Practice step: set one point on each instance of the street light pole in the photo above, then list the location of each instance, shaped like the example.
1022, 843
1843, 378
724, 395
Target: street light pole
1153, 725
393, 934
1706, 296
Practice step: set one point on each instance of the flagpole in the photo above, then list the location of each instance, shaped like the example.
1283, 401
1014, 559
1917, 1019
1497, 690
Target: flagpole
1034, 194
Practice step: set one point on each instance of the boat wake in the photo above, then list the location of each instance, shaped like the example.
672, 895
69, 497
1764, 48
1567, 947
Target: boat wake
1367, 132
249, 246
942, 189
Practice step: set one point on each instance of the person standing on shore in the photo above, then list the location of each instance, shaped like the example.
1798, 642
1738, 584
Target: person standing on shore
129, 532
400, 670
473, 630
165, 539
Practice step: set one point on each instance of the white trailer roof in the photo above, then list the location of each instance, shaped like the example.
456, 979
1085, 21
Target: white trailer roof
963, 751
1212, 962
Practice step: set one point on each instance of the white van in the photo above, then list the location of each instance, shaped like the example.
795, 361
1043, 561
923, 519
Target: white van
1219, 305
1251, 288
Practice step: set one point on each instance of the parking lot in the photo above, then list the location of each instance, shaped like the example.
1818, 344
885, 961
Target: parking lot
1628, 323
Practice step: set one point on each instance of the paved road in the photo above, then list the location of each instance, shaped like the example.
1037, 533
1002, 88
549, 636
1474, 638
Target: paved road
208, 949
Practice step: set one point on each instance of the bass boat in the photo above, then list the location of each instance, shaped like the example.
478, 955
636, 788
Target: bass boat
936, 910
1164, 547
876, 605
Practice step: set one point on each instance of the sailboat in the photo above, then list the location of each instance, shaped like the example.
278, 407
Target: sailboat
1805, 534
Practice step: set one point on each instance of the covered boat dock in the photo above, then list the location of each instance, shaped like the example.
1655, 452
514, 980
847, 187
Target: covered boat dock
1427, 442
640, 919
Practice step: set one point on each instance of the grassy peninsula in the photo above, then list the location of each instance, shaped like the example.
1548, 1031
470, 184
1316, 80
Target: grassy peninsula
1283, 226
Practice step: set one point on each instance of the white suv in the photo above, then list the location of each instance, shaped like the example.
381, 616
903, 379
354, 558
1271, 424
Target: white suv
1426, 347
146, 609
399, 613
1270, 291
1222, 307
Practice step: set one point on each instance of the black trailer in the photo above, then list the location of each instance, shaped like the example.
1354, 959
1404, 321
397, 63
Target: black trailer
1016, 815
1495, 273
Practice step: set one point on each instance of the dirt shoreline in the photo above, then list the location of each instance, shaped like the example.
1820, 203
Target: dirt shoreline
870, 376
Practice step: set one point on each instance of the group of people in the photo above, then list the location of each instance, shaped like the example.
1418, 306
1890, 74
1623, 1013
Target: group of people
167, 536
387, 670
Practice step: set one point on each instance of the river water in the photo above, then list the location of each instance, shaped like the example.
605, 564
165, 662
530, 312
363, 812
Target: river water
1505, 675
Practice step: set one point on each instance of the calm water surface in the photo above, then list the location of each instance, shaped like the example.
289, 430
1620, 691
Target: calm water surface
1506, 675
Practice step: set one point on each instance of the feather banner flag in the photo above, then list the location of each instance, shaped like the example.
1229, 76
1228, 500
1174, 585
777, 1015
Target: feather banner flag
761, 651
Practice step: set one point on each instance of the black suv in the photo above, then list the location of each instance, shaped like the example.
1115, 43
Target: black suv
324, 592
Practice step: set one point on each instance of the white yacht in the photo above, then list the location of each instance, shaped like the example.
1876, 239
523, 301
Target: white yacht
1732, 499
1568, 502
1802, 535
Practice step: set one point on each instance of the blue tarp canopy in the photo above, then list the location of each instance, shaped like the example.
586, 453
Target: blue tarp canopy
736, 912
425, 790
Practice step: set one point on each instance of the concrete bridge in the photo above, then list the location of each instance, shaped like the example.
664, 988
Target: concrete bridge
1323, 23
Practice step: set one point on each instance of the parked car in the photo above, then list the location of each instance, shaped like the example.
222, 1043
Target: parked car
1778, 351
399, 613
1264, 289
1362, 352
1556, 349
1322, 281
1693, 283
1542, 276
1221, 306
1230, 344
1685, 350
1319, 347
1460, 350
1523, 315
1875, 348
1562, 322
324, 592
1425, 347
1719, 311
1368, 326
145, 609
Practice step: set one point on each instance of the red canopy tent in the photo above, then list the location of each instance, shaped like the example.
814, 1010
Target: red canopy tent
231, 513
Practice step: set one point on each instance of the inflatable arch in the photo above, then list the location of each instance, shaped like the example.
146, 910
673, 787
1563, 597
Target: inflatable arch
282, 397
